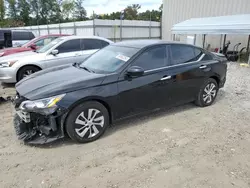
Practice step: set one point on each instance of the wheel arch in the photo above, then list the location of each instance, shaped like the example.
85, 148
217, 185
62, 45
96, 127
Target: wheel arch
26, 66
97, 99
216, 78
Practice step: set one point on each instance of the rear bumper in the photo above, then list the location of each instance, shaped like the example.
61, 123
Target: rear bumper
8, 74
40, 129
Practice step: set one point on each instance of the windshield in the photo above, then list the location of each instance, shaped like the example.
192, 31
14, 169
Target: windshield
109, 59
49, 46
26, 44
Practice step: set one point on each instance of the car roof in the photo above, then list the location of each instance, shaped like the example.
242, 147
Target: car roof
21, 30
83, 37
145, 43
54, 35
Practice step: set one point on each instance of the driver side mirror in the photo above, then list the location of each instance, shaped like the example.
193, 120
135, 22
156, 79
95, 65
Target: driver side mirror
33, 46
54, 52
135, 71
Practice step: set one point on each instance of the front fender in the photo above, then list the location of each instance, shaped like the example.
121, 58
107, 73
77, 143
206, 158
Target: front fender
21, 64
76, 97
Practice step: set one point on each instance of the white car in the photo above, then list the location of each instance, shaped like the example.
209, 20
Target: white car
64, 50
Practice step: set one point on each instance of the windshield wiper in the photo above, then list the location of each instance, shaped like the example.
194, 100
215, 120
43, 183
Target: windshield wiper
85, 68
81, 67
75, 64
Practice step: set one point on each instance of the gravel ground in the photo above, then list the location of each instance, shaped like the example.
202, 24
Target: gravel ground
186, 146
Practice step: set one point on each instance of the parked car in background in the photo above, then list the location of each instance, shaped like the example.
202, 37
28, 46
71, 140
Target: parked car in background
61, 51
14, 38
31, 45
121, 80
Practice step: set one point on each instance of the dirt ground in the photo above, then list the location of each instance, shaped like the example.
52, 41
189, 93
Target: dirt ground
182, 147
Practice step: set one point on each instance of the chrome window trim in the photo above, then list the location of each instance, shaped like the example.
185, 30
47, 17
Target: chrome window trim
192, 62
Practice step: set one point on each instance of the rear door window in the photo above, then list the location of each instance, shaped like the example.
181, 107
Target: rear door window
197, 53
92, 44
104, 43
183, 54
70, 46
207, 57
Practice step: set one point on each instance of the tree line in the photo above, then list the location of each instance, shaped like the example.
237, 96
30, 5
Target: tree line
14, 13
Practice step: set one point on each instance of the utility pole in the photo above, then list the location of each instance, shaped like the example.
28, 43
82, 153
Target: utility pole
121, 18
37, 19
94, 23
150, 25
37, 12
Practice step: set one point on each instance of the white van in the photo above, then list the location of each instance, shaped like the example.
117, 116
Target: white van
14, 38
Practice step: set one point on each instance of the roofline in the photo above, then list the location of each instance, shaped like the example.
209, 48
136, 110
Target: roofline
161, 42
86, 37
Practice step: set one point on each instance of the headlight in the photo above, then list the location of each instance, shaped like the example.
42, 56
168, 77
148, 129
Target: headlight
8, 64
43, 106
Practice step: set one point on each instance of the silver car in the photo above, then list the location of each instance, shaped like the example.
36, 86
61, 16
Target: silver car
64, 50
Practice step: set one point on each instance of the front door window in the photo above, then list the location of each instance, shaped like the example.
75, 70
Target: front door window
152, 59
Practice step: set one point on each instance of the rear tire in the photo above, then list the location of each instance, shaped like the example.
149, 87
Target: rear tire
87, 122
207, 93
26, 71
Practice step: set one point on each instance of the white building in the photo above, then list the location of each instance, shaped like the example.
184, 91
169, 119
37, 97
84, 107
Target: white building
176, 11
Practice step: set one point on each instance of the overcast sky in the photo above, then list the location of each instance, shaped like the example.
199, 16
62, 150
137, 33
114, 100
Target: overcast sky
108, 6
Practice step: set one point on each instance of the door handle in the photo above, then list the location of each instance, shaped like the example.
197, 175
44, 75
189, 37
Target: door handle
166, 78
77, 54
203, 66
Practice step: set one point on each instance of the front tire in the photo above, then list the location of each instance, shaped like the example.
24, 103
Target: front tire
26, 71
207, 93
87, 122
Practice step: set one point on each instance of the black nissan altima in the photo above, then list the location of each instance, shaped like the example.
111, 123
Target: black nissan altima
127, 78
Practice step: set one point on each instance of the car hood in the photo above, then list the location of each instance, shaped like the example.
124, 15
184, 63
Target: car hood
57, 80
13, 50
23, 56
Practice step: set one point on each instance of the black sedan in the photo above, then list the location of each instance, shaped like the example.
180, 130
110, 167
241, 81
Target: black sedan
123, 79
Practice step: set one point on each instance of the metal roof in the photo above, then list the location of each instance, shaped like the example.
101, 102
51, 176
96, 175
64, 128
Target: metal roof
234, 24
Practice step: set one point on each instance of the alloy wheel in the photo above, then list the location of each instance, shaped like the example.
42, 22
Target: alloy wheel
89, 123
27, 73
209, 93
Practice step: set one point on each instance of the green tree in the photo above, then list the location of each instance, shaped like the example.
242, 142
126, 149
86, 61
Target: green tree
48, 11
2, 13
80, 12
68, 8
35, 11
44, 11
131, 12
153, 15
56, 14
105, 17
161, 8
114, 15
24, 9
2, 10
12, 9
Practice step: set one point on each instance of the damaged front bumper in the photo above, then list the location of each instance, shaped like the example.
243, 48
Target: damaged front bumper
34, 128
